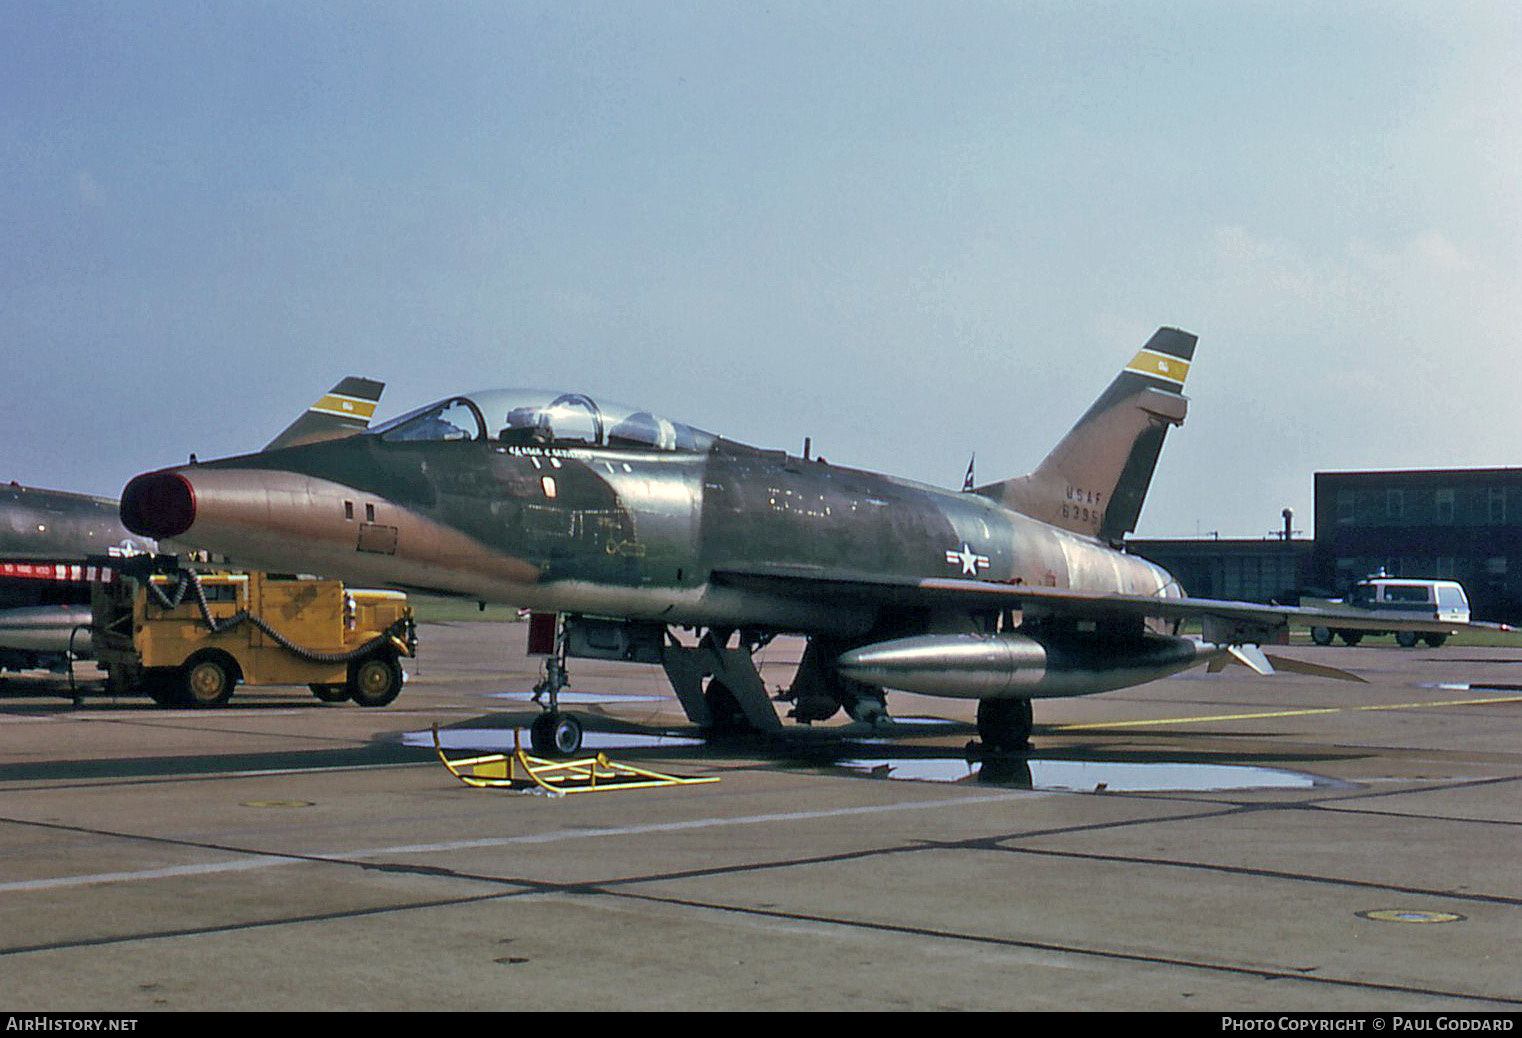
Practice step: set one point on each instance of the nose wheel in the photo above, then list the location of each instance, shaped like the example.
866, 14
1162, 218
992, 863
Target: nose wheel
555, 733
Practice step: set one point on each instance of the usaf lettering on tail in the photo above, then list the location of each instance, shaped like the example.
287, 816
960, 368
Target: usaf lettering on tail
632, 526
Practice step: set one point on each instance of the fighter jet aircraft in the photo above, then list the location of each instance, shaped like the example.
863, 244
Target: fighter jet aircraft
639, 531
45, 539
49, 537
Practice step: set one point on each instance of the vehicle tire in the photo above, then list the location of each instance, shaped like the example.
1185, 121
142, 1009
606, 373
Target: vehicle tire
331, 693
207, 681
1406, 639
1350, 637
162, 685
1004, 725
1435, 640
375, 680
1321, 635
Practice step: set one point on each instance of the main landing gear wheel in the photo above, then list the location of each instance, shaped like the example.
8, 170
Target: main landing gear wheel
555, 733
1004, 725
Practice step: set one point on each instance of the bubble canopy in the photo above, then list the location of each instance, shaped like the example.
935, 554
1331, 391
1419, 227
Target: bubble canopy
542, 418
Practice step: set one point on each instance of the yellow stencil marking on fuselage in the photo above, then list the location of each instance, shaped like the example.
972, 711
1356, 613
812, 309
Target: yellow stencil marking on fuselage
1159, 365
1286, 713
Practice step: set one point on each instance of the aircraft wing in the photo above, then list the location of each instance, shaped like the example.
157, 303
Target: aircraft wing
1225, 620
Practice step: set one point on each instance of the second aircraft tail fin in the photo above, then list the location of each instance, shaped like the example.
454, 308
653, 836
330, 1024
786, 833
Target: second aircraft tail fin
342, 411
1095, 480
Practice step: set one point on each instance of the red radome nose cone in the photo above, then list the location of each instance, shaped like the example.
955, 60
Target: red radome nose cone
158, 505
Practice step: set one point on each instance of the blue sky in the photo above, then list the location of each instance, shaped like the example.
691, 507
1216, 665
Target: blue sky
906, 230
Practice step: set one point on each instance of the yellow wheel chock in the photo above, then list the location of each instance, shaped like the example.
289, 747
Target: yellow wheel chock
521, 772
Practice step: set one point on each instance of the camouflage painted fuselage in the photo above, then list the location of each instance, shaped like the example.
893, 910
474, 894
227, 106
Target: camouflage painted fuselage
46, 537
616, 532
57, 526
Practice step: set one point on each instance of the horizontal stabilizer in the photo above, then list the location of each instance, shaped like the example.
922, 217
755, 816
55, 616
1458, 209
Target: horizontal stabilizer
1315, 670
1223, 656
1252, 656
1267, 665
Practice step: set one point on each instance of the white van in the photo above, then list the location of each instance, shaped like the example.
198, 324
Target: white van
1443, 601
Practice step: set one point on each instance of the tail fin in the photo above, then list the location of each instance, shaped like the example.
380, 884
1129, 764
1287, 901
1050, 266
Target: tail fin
344, 410
1094, 481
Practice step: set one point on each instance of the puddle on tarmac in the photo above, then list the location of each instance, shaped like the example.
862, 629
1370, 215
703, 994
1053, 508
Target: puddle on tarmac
582, 697
500, 740
1466, 686
1076, 776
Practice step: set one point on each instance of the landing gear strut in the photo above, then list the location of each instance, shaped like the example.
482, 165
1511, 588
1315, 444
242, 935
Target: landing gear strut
552, 731
1004, 725
719, 687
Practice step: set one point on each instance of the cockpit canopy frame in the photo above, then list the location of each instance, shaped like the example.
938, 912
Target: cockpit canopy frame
543, 418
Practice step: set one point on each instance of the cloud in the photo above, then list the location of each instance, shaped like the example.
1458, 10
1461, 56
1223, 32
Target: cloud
1365, 284
1427, 253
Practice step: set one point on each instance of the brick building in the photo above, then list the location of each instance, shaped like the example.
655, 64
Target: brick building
1454, 524
1257, 570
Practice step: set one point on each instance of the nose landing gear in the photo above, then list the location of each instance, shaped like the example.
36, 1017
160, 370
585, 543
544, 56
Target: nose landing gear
553, 732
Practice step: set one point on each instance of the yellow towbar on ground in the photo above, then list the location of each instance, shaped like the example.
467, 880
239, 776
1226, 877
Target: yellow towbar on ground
524, 773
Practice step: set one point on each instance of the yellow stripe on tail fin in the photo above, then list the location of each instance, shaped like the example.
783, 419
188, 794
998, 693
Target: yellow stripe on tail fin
342, 411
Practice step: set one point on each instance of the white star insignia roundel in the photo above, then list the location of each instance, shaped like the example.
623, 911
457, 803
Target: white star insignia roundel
969, 560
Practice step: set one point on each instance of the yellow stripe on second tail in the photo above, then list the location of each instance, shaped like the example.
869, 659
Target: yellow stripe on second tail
345, 406
1159, 365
